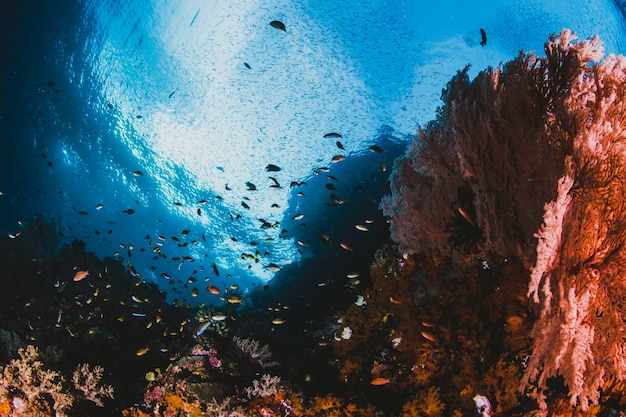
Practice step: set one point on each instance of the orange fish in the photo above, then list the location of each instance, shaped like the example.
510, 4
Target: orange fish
80, 275
380, 381
346, 246
465, 214
394, 301
429, 336
213, 289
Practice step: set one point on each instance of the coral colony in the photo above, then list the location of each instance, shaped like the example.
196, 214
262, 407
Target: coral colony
527, 162
511, 197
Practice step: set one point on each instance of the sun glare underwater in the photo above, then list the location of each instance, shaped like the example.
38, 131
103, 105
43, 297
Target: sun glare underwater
235, 153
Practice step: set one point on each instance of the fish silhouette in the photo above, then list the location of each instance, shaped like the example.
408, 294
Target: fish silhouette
277, 24
483, 36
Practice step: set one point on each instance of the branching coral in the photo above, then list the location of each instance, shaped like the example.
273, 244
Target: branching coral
87, 380
28, 388
31, 389
268, 385
260, 354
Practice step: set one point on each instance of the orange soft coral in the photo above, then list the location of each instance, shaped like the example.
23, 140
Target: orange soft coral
5, 408
425, 403
135, 413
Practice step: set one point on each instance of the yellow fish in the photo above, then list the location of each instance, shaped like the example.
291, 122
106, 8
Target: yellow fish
142, 351
234, 300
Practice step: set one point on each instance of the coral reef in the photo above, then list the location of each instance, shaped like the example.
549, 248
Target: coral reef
196, 385
101, 322
518, 180
540, 139
30, 389
471, 337
187, 387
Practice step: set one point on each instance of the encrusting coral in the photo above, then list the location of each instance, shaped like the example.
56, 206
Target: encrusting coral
528, 162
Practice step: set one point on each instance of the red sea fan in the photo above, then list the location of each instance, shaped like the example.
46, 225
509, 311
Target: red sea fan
532, 158
581, 289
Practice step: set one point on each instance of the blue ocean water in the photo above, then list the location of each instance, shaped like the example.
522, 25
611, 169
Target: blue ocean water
200, 144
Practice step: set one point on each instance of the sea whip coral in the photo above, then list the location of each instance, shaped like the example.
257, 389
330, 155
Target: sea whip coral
528, 161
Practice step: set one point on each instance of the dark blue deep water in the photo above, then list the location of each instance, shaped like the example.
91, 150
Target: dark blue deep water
199, 145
